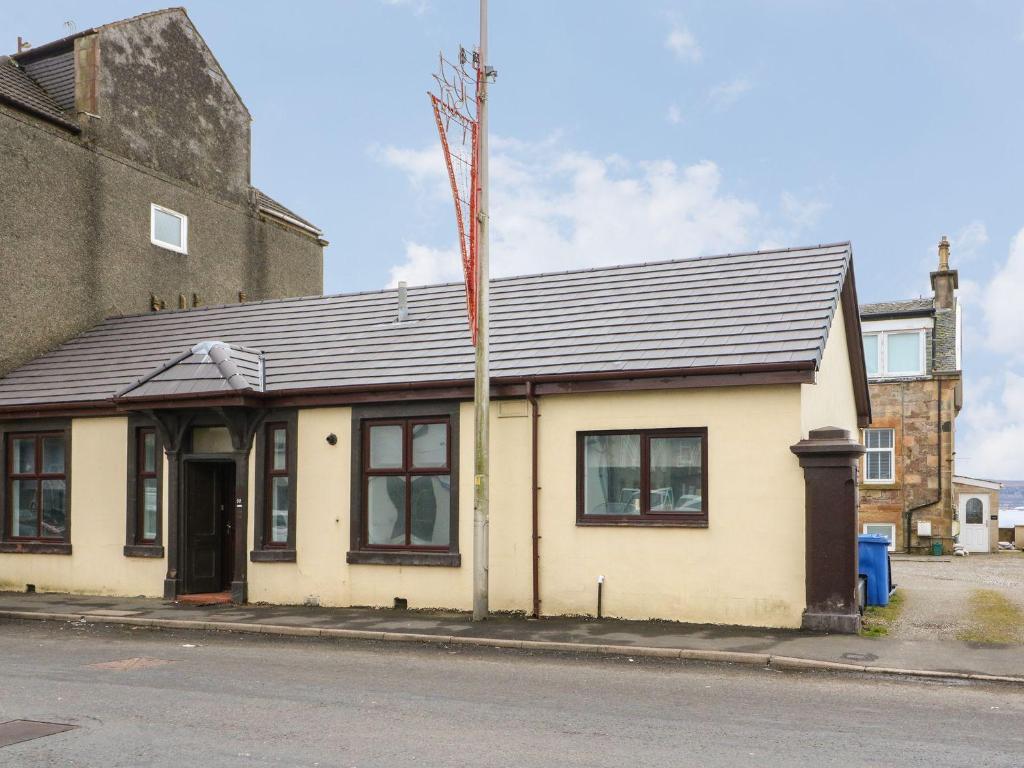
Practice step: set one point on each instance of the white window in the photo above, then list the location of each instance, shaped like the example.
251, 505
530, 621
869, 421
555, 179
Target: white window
894, 353
168, 229
879, 459
872, 347
883, 529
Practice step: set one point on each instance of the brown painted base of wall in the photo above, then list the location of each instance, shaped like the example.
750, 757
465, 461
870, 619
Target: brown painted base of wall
835, 623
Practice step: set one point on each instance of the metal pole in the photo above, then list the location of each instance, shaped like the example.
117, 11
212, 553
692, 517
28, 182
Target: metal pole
481, 392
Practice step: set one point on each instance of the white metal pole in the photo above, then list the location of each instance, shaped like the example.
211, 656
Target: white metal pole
481, 394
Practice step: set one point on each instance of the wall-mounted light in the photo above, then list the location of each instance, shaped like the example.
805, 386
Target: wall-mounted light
332, 439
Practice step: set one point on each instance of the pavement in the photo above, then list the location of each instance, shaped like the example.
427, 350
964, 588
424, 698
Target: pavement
137, 696
939, 593
780, 649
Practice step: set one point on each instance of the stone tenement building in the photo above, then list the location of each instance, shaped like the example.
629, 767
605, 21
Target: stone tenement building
124, 186
912, 351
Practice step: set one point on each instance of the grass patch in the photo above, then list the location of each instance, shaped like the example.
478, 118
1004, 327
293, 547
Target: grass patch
995, 620
878, 619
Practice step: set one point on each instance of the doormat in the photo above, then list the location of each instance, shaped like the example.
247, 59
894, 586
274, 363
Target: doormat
209, 598
17, 731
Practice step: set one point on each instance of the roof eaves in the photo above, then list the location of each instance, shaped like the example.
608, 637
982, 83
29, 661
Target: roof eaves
289, 220
41, 113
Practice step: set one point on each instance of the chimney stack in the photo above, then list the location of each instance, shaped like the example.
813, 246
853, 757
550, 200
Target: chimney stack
944, 280
403, 302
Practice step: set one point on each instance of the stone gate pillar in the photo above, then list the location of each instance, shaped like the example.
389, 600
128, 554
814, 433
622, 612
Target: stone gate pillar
829, 459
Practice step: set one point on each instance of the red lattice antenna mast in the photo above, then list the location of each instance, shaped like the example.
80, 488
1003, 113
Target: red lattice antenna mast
456, 111
460, 109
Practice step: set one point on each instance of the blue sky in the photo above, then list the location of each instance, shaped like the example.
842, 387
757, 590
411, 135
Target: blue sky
629, 131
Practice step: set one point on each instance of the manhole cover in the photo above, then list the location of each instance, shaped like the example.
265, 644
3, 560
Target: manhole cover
123, 665
860, 657
16, 731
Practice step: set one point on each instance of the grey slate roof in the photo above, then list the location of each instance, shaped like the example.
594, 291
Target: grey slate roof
267, 204
906, 306
55, 73
771, 307
20, 90
207, 367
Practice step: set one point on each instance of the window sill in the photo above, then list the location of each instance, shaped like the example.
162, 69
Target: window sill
444, 559
880, 486
35, 547
658, 523
272, 556
143, 550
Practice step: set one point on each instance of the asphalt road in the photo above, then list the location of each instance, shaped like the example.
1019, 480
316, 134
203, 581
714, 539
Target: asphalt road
226, 700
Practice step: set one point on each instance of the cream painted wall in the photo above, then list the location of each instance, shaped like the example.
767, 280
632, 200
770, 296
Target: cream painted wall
97, 565
322, 531
829, 402
747, 567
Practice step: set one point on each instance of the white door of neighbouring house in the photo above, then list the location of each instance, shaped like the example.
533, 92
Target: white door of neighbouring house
974, 523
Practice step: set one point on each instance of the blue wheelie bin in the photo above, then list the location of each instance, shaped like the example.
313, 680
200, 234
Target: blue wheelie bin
873, 563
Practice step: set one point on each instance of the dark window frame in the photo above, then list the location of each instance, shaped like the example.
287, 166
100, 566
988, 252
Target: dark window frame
362, 419
645, 518
134, 544
264, 550
34, 545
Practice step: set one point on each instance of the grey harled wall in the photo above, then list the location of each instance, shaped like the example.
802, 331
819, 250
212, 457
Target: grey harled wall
74, 241
164, 102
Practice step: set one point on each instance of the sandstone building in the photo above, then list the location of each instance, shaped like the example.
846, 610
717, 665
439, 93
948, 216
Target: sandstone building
912, 353
125, 186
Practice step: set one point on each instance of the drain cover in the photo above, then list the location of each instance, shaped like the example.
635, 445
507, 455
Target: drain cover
860, 657
16, 731
123, 665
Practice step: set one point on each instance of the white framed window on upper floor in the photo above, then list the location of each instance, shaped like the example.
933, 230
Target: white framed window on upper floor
880, 458
894, 353
168, 229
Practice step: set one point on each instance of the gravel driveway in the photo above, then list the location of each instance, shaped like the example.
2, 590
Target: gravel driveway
939, 596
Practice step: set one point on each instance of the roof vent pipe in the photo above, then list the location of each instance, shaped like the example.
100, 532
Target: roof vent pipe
403, 302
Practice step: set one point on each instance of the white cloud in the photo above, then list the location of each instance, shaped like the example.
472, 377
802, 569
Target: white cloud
993, 429
553, 208
724, 95
968, 242
992, 442
674, 115
418, 7
802, 214
1002, 304
682, 43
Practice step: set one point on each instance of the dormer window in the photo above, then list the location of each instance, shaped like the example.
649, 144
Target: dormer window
894, 353
168, 229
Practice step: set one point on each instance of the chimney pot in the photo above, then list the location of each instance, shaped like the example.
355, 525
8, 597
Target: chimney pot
403, 302
944, 254
944, 280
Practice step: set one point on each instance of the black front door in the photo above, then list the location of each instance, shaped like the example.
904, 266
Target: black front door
209, 493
